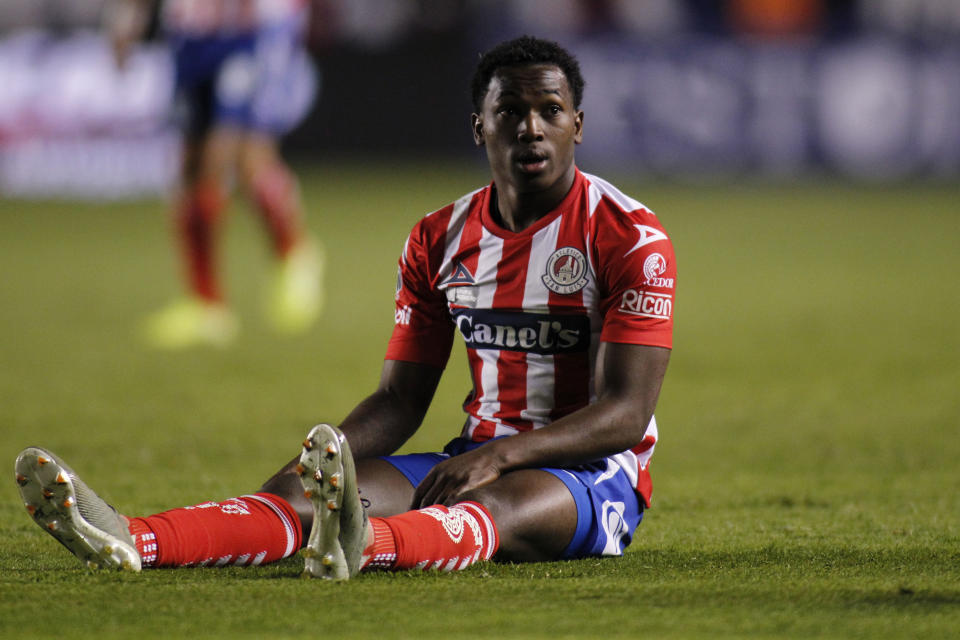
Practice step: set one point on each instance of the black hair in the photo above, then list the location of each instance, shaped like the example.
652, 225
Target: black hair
525, 50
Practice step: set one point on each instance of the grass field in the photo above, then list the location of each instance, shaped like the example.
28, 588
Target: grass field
806, 480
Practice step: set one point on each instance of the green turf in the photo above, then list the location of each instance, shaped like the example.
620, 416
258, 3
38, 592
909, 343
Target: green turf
806, 481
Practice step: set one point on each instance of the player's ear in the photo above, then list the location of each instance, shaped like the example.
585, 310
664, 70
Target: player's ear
578, 136
476, 124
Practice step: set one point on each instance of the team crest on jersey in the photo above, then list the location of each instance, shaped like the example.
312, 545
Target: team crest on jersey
566, 271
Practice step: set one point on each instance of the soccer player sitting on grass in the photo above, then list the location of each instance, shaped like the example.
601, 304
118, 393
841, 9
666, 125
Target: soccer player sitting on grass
560, 286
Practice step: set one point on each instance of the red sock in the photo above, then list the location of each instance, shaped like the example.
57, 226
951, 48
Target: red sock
432, 538
196, 224
249, 530
278, 198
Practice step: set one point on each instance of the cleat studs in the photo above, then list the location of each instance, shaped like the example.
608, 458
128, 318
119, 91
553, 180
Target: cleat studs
331, 449
309, 553
42, 461
21, 479
53, 525
300, 469
126, 565
108, 549
317, 475
93, 565
47, 493
332, 505
308, 494
61, 479
335, 480
30, 509
327, 560
69, 502
307, 444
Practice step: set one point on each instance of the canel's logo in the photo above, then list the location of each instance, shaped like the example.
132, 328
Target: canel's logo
518, 331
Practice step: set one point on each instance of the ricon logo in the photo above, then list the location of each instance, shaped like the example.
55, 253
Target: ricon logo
647, 304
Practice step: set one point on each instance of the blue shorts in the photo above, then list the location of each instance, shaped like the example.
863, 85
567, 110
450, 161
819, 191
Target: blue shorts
608, 508
260, 81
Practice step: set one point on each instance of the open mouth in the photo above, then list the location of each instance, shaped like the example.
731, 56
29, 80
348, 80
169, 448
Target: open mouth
532, 161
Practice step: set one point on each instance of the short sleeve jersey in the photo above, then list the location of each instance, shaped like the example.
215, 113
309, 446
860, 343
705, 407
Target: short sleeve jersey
533, 306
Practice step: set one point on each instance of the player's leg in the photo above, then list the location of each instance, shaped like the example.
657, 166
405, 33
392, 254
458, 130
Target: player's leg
250, 529
543, 514
273, 188
201, 317
344, 540
534, 512
246, 530
208, 164
296, 298
526, 515
383, 490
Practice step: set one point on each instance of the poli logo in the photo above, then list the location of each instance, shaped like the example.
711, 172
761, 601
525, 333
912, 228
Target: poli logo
614, 526
566, 271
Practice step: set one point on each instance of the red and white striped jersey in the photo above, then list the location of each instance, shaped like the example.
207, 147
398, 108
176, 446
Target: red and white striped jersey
532, 307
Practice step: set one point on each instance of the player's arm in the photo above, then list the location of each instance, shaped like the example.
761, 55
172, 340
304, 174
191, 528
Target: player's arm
628, 383
387, 418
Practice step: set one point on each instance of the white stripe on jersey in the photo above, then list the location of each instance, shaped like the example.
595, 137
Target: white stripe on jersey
541, 376
604, 188
458, 218
543, 244
491, 250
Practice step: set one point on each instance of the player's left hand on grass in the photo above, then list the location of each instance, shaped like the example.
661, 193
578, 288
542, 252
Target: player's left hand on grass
455, 476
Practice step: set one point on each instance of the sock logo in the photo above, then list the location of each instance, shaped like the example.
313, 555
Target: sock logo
453, 522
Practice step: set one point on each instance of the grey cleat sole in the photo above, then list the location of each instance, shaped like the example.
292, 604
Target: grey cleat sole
338, 534
49, 490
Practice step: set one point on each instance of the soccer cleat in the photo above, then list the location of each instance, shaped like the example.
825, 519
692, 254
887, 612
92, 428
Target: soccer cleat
71, 512
297, 295
339, 532
191, 322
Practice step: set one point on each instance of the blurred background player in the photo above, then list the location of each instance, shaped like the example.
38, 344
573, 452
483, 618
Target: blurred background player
242, 80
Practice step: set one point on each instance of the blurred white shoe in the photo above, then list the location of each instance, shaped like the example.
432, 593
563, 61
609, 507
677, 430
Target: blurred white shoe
191, 322
296, 299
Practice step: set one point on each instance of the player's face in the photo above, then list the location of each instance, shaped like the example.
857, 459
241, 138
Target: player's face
529, 126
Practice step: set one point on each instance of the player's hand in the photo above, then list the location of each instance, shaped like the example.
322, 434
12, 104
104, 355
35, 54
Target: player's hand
452, 477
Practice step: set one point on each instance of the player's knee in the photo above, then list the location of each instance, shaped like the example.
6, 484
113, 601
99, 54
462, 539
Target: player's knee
515, 545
